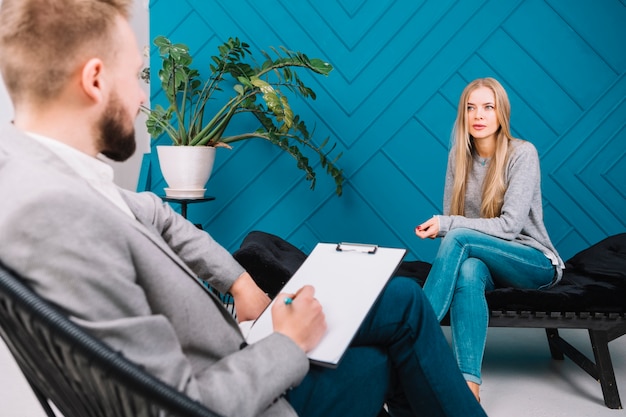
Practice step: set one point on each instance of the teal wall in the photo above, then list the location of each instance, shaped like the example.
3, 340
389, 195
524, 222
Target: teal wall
400, 67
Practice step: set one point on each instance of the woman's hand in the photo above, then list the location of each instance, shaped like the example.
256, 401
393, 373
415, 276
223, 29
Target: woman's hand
428, 229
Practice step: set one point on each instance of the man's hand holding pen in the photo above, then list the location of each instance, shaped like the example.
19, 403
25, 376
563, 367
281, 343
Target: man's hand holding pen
300, 317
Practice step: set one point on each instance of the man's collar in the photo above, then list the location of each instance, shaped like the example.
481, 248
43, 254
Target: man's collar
85, 165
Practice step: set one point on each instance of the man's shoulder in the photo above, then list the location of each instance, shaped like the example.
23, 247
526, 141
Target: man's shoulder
140, 201
10, 136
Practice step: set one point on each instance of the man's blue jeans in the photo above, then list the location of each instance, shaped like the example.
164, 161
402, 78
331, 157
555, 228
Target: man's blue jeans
467, 264
399, 357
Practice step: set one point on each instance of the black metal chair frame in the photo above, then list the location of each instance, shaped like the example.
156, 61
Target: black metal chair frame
602, 327
79, 374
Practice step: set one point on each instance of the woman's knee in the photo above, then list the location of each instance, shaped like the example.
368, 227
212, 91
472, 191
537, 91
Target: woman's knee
456, 241
473, 274
461, 235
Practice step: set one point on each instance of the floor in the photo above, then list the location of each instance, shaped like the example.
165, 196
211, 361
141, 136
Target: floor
520, 379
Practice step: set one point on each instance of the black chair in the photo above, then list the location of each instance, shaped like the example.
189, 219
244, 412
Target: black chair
82, 376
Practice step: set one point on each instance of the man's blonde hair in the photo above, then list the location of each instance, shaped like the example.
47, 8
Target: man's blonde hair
42, 42
494, 186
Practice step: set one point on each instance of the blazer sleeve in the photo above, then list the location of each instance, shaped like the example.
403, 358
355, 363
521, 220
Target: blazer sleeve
77, 254
200, 252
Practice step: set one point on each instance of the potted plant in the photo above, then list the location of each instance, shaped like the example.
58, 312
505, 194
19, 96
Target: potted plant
201, 107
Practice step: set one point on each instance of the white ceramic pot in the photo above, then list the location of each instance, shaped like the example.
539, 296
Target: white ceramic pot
186, 169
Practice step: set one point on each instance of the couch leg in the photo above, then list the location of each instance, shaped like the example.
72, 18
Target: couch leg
604, 366
601, 370
553, 335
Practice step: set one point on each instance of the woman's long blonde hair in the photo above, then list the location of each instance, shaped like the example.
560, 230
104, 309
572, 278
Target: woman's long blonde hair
494, 185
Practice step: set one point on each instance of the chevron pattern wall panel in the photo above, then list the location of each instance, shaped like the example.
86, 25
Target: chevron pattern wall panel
390, 103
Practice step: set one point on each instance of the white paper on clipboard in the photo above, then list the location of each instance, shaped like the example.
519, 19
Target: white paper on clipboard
347, 284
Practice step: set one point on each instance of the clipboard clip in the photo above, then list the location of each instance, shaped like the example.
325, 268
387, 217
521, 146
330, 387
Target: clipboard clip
356, 247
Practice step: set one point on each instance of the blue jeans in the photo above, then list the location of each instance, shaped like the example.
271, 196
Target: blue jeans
467, 264
399, 357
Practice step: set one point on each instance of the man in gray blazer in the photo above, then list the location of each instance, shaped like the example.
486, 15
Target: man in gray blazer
127, 268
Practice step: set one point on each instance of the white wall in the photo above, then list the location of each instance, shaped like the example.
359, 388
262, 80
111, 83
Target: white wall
126, 173
6, 109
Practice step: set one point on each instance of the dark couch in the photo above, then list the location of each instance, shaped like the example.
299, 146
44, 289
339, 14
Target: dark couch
591, 296
594, 279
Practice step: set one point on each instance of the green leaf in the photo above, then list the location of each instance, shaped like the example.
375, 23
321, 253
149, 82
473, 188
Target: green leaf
191, 95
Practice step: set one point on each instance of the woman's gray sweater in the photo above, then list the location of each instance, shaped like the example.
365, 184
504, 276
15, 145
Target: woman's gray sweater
521, 218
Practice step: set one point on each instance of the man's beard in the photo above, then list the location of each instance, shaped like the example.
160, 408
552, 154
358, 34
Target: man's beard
116, 141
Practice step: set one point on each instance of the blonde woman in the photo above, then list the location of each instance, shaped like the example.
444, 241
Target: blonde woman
492, 226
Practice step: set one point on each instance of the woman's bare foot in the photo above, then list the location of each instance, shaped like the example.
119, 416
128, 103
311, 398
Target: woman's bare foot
475, 388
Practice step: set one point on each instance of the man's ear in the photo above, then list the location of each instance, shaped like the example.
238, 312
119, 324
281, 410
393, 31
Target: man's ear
92, 79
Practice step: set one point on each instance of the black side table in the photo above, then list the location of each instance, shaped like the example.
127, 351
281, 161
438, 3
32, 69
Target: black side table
184, 201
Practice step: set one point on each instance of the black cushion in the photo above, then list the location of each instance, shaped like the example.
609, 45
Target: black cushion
594, 279
604, 259
269, 259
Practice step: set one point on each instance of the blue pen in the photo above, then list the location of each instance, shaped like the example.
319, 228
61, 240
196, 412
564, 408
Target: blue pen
289, 300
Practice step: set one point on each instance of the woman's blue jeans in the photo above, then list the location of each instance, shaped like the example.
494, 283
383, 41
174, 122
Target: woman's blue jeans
467, 264
399, 357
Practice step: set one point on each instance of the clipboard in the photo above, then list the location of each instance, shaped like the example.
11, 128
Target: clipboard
348, 278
